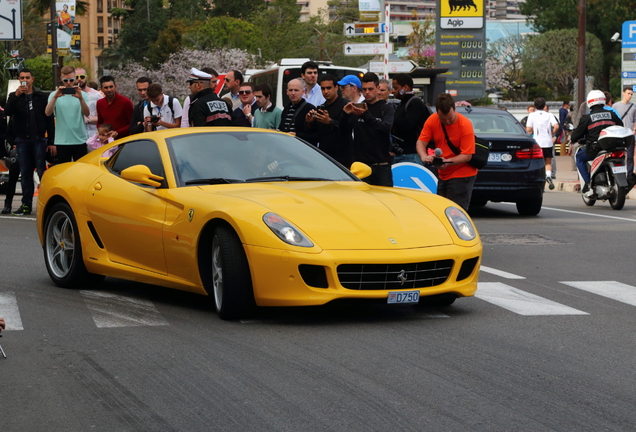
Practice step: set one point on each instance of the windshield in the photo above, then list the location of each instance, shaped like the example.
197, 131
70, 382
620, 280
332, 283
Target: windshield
233, 157
495, 123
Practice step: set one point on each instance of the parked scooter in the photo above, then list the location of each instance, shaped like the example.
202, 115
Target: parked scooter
608, 170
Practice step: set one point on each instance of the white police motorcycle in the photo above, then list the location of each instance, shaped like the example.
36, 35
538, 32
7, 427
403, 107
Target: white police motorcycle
608, 170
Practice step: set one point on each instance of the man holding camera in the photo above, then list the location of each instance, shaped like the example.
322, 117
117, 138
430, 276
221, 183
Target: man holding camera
31, 130
161, 111
325, 120
70, 106
371, 122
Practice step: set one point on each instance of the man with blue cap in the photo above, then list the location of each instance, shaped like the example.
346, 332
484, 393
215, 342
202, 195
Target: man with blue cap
351, 88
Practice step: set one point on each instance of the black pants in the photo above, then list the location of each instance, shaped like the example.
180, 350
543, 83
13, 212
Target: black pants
381, 175
14, 174
67, 153
457, 189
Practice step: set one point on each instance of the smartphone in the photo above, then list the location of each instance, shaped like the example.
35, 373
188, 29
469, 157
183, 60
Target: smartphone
360, 105
68, 90
24, 83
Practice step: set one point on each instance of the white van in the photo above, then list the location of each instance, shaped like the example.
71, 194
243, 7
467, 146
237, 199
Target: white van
278, 75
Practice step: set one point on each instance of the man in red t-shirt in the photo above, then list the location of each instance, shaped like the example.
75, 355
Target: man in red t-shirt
114, 109
456, 176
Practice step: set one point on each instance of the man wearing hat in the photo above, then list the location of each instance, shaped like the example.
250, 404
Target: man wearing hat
206, 107
351, 88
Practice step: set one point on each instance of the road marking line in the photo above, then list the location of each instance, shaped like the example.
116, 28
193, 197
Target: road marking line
521, 302
501, 273
112, 310
581, 213
610, 289
9, 311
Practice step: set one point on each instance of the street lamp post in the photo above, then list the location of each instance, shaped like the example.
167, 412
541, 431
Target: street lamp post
54, 43
581, 90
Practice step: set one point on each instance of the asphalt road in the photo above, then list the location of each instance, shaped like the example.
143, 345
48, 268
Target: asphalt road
529, 353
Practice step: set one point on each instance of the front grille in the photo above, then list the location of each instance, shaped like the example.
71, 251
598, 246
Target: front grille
394, 276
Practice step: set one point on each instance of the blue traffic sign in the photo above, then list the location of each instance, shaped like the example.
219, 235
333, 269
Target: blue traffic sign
413, 176
628, 35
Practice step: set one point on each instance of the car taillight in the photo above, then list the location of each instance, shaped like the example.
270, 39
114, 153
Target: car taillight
536, 152
618, 154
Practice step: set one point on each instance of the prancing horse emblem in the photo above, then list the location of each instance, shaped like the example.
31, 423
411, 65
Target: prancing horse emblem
190, 215
402, 277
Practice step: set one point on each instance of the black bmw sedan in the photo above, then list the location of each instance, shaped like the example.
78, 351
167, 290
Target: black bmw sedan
515, 171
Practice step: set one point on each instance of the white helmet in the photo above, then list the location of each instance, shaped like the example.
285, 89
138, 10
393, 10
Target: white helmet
595, 97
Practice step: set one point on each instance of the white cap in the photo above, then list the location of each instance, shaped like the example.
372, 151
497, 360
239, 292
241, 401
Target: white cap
196, 74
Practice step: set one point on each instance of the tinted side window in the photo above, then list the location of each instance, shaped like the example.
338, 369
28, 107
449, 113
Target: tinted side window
142, 152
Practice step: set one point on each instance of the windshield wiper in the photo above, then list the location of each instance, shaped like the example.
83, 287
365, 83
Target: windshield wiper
213, 181
283, 178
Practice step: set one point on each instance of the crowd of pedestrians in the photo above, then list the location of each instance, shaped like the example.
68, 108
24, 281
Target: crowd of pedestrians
350, 119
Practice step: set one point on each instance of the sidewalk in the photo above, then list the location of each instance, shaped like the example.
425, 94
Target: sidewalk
567, 180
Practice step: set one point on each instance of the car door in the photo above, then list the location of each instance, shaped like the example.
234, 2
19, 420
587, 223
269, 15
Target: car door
129, 217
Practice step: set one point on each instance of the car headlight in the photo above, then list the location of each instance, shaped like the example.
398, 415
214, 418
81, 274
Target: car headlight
286, 231
462, 225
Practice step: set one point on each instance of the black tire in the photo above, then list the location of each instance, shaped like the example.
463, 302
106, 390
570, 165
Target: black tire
617, 199
63, 250
588, 201
440, 300
529, 207
231, 281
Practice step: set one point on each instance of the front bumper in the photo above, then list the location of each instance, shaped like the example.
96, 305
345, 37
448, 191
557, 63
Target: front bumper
277, 280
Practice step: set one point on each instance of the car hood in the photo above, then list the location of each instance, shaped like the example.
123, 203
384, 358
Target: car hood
350, 215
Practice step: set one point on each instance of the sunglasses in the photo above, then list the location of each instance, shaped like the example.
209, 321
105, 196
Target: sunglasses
244, 92
68, 79
81, 76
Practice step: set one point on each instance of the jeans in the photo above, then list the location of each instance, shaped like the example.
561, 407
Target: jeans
408, 157
31, 156
582, 158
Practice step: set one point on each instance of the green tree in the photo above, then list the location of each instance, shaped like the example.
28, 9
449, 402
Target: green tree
421, 39
507, 53
283, 33
34, 40
237, 8
223, 32
604, 18
168, 41
41, 68
550, 59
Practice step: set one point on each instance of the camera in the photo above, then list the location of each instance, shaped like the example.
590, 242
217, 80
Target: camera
615, 37
396, 150
11, 158
155, 119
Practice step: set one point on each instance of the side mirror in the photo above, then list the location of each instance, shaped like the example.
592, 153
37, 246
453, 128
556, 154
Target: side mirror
141, 174
360, 170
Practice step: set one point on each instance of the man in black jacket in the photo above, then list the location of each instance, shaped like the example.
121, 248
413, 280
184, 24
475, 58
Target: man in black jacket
325, 120
206, 107
292, 119
32, 130
409, 118
244, 114
371, 123
589, 128
137, 122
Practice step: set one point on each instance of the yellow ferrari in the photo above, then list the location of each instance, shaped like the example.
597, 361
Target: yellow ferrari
253, 217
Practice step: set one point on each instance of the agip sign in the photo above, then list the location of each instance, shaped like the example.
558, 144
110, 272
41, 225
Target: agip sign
460, 46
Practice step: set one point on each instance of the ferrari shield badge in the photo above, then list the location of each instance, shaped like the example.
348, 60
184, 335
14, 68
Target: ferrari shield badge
190, 215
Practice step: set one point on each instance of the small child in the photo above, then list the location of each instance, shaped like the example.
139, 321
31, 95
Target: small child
102, 137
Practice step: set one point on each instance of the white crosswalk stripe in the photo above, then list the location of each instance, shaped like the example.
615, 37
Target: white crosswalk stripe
113, 310
521, 302
610, 289
9, 311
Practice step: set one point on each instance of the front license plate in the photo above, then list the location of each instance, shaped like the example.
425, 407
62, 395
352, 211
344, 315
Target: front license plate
494, 157
619, 169
403, 297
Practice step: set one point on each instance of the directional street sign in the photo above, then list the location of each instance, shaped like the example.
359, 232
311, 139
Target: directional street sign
364, 29
366, 49
406, 66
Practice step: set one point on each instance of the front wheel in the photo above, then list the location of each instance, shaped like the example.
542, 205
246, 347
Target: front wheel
530, 207
231, 280
617, 198
588, 201
63, 249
